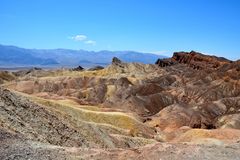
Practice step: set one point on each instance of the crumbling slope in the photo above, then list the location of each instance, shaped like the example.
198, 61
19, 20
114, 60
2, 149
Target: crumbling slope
37, 122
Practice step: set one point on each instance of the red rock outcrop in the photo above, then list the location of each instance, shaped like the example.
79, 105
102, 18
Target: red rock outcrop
194, 59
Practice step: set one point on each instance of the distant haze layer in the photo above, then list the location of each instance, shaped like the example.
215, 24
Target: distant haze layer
12, 56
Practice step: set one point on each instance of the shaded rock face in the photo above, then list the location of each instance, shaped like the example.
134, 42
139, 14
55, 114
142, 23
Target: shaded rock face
145, 99
164, 62
96, 68
116, 61
79, 68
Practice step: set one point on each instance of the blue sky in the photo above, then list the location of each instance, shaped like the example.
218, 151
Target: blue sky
157, 26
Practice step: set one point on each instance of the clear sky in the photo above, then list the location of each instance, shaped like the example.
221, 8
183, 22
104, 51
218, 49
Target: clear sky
158, 26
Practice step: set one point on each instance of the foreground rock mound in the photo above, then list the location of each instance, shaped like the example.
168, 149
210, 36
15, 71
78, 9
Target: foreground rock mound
35, 122
17, 148
39, 123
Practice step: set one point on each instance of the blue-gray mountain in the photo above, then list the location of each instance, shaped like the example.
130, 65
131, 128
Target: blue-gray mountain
11, 56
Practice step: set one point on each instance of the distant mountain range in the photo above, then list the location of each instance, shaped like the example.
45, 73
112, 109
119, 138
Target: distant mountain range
12, 56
